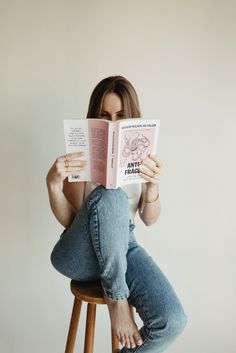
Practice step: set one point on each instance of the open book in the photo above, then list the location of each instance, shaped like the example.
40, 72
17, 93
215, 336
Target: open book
114, 150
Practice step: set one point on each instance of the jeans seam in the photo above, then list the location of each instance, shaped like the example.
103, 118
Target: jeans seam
97, 247
95, 239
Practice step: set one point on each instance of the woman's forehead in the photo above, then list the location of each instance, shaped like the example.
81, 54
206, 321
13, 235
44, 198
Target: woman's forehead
112, 102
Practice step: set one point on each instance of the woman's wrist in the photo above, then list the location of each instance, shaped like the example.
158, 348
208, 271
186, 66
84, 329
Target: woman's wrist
152, 200
52, 186
152, 194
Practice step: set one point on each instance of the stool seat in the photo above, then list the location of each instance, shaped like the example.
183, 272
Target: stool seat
90, 292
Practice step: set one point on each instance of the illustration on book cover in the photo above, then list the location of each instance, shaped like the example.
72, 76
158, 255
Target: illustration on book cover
136, 146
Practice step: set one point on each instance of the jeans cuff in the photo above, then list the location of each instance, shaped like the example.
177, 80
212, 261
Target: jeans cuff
116, 296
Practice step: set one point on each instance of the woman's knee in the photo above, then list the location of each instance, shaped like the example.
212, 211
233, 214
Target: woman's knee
109, 197
59, 257
118, 193
56, 259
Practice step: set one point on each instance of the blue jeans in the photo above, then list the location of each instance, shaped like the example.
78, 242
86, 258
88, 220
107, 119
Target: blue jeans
100, 244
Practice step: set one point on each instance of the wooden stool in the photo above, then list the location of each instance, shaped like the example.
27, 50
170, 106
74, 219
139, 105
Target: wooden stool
92, 293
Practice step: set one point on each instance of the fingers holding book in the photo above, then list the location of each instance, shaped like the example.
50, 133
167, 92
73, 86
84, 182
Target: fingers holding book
151, 169
72, 162
67, 165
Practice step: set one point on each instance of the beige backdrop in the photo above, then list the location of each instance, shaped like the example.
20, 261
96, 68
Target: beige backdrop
180, 56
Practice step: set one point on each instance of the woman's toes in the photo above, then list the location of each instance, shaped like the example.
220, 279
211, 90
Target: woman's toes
132, 343
122, 340
127, 341
138, 339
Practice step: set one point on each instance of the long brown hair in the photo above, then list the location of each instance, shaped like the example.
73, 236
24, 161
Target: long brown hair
123, 88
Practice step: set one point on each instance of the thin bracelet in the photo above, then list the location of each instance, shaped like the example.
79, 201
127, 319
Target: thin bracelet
152, 200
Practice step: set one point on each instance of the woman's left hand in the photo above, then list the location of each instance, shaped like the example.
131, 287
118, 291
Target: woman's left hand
151, 169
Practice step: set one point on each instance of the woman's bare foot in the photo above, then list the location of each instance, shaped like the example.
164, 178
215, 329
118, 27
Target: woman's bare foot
122, 323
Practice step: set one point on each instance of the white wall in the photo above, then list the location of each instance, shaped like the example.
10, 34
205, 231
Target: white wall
180, 56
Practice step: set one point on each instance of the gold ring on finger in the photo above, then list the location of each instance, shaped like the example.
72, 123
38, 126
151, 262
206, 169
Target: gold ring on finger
67, 163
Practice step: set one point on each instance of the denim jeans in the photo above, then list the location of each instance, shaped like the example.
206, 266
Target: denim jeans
100, 245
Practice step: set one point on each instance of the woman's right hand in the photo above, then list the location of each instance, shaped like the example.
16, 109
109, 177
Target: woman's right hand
65, 166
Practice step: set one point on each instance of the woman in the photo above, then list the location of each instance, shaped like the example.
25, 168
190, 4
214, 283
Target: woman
99, 243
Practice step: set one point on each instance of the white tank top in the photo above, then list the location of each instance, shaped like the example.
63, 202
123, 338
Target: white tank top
133, 192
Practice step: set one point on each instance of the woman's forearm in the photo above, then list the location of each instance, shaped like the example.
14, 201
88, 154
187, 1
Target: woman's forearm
63, 167
150, 207
61, 208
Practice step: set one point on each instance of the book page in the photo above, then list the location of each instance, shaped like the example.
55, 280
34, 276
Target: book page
77, 140
98, 140
137, 139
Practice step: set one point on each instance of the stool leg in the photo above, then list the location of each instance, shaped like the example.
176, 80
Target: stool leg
73, 326
90, 328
